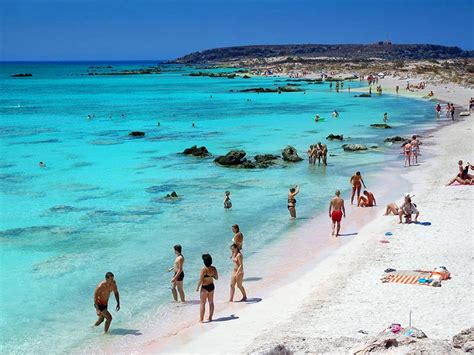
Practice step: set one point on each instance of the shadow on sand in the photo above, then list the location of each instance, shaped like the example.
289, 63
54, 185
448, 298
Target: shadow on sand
347, 234
252, 279
225, 319
122, 331
253, 300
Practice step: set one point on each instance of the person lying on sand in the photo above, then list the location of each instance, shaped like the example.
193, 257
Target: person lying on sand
463, 177
407, 210
391, 208
367, 201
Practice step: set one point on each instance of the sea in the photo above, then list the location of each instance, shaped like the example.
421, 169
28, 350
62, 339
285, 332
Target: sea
100, 204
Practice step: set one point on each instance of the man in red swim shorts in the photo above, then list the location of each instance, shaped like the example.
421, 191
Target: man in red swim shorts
336, 211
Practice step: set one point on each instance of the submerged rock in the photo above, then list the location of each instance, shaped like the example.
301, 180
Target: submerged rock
197, 152
172, 195
21, 75
136, 134
354, 147
290, 154
363, 95
335, 137
237, 159
380, 125
394, 139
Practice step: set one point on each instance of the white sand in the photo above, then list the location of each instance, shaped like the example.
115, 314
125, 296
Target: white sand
343, 293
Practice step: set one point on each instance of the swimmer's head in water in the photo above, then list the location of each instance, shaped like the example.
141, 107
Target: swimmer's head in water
177, 248
207, 259
338, 193
109, 276
236, 228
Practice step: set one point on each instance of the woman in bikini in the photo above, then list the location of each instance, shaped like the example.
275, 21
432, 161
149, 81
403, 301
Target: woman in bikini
238, 238
238, 274
292, 201
357, 182
407, 153
206, 285
415, 149
227, 201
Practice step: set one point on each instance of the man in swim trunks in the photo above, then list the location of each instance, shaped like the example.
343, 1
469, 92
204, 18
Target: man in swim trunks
101, 299
177, 280
367, 201
336, 211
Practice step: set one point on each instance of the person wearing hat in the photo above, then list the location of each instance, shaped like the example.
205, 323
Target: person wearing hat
408, 209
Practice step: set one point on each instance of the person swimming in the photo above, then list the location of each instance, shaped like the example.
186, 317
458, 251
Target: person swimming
238, 273
335, 114
292, 201
227, 201
206, 287
42, 165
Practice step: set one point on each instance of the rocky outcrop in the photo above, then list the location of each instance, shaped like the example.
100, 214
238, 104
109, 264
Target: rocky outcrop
233, 158
197, 152
265, 160
464, 340
354, 147
335, 137
280, 89
137, 134
394, 139
380, 125
290, 154
21, 75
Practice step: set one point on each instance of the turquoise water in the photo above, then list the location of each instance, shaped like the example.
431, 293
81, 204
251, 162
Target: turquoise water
98, 206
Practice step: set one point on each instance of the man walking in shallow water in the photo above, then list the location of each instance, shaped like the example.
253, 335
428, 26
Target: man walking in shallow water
336, 211
101, 299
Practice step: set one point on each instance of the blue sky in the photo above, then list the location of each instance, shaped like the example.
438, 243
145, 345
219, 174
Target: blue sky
165, 29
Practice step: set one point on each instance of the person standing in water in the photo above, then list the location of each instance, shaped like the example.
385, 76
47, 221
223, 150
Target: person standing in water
292, 201
238, 274
206, 282
227, 201
101, 300
396, 89
385, 117
238, 238
438, 110
415, 149
357, 182
177, 280
336, 211
407, 153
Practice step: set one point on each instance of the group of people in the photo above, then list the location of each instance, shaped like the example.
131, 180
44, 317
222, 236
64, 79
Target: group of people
411, 150
407, 210
317, 152
450, 110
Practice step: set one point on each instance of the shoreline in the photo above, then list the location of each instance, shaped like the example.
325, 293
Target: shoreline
255, 321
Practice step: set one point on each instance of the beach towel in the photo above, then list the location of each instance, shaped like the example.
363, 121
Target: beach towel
416, 277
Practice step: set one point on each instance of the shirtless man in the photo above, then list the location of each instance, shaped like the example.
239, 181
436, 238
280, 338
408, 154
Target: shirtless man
238, 238
319, 152
324, 154
367, 201
310, 154
336, 211
177, 280
101, 299
357, 182
415, 149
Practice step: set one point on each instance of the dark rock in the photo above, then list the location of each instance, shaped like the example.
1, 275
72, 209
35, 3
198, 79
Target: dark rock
353, 147
290, 154
277, 90
137, 134
246, 77
234, 157
197, 152
380, 125
394, 139
265, 160
464, 337
172, 195
335, 137
363, 95
21, 75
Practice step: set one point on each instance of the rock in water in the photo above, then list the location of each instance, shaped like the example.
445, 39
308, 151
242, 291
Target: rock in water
364, 95
353, 147
234, 157
197, 152
21, 75
137, 134
335, 137
394, 139
380, 125
290, 154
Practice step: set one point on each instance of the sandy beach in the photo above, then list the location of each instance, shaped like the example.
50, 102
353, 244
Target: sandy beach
339, 301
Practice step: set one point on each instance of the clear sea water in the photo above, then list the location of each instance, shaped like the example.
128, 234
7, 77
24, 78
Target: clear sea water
98, 206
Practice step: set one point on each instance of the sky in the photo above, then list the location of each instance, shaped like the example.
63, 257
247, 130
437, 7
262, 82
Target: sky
166, 29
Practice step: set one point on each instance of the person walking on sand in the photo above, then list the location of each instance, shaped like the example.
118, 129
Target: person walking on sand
238, 274
227, 201
367, 201
101, 300
177, 280
385, 117
292, 201
206, 287
336, 211
407, 153
357, 182
238, 238
451, 111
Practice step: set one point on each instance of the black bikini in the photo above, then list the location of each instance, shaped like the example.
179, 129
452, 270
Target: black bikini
210, 287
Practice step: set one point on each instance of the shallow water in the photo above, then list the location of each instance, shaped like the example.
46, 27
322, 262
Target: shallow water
99, 205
